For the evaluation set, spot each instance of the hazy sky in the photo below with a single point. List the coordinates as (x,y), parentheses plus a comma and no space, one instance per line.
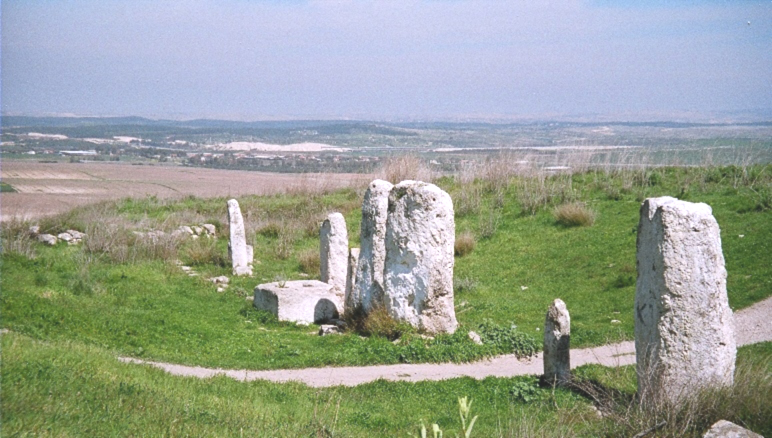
(250,59)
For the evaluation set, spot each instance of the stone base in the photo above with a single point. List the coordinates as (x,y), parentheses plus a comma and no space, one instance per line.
(302,302)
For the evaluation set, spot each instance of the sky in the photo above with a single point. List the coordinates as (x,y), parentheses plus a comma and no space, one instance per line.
(386,60)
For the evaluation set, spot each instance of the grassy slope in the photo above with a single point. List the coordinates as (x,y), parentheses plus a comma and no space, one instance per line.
(150,309)
(70,389)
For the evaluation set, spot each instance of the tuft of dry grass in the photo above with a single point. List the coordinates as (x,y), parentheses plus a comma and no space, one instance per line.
(465,244)
(310,262)
(406,167)
(574,214)
(377,322)
(204,251)
(16,239)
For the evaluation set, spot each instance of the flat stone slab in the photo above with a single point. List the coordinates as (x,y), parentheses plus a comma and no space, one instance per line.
(302,302)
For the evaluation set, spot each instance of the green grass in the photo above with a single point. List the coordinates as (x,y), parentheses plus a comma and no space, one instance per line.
(150,309)
(66,388)
(6,188)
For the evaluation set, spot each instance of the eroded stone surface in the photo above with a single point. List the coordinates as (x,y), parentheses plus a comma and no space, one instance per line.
(48,239)
(237,246)
(303,301)
(557,345)
(684,329)
(727,429)
(418,268)
(369,273)
(333,252)
(351,280)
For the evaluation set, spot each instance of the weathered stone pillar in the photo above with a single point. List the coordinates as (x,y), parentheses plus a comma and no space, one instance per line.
(238,250)
(333,252)
(369,273)
(418,269)
(684,329)
(351,279)
(557,345)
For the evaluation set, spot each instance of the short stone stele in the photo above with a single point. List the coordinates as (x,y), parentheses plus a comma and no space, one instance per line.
(557,346)
(369,274)
(333,252)
(351,279)
(303,302)
(684,329)
(237,245)
(418,269)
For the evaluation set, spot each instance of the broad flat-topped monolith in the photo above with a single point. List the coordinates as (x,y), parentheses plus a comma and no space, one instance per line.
(369,273)
(303,302)
(557,345)
(684,329)
(239,252)
(333,252)
(418,268)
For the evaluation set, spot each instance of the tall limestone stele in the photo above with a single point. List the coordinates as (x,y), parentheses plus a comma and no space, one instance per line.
(368,290)
(684,329)
(418,268)
(333,253)
(240,253)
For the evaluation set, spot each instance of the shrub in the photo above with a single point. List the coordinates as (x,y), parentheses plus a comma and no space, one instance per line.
(508,339)
(15,239)
(205,251)
(377,322)
(310,262)
(574,214)
(465,244)
(404,167)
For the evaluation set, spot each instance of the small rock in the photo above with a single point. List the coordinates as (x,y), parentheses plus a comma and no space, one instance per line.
(194,237)
(220,280)
(64,236)
(727,429)
(303,274)
(616,321)
(48,239)
(34,230)
(186,268)
(76,234)
(197,230)
(523,287)
(186,229)
(210,229)
(741,236)
(220,289)
(329,329)
(538,329)
(475,338)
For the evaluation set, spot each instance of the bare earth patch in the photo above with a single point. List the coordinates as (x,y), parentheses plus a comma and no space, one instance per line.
(51,188)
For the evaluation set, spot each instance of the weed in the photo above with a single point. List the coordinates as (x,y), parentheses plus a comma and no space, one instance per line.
(465,244)
(204,252)
(508,339)
(464,285)
(406,167)
(574,214)
(524,391)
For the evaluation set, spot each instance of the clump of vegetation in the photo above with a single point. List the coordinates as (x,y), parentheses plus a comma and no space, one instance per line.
(404,167)
(465,244)
(377,322)
(204,251)
(310,262)
(16,239)
(508,339)
(6,188)
(464,285)
(574,214)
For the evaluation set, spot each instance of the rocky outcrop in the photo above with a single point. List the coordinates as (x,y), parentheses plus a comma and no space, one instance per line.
(684,329)
(557,345)
(333,252)
(418,268)
(237,245)
(372,255)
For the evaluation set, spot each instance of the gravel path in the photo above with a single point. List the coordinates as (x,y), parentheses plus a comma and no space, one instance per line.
(752,325)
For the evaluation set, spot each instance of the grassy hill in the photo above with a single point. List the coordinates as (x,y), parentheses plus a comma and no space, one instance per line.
(73,308)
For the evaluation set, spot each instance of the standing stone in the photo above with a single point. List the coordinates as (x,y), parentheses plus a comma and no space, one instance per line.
(684,329)
(237,246)
(333,252)
(418,271)
(557,345)
(351,279)
(369,273)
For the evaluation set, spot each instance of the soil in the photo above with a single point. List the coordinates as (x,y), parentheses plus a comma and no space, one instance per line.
(751,326)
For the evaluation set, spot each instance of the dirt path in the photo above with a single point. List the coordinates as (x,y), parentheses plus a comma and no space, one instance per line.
(751,326)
